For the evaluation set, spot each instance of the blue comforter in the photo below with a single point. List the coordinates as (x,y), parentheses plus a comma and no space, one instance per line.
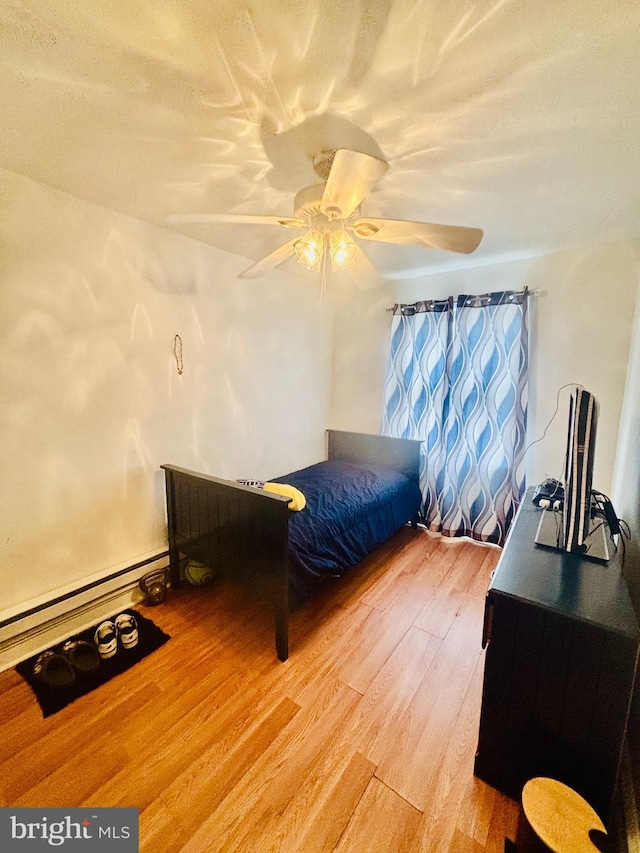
(351,510)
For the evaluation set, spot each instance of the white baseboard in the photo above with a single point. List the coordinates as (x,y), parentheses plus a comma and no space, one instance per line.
(37,628)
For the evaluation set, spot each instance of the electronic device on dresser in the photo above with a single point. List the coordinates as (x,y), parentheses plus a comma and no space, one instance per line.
(574,520)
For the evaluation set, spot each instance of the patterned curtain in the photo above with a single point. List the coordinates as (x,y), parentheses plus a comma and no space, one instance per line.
(457,381)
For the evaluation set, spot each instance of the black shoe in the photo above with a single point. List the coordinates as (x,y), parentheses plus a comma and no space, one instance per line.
(54,670)
(82,656)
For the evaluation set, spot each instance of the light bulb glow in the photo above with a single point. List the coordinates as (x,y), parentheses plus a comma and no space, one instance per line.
(309,249)
(343,249)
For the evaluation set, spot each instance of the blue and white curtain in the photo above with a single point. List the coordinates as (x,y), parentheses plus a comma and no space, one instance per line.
(457,380)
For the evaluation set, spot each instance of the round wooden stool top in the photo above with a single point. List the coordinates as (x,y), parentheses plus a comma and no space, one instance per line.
(560,818)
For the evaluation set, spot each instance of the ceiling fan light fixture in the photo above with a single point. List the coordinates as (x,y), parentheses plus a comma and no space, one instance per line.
(309,249)
(343,250)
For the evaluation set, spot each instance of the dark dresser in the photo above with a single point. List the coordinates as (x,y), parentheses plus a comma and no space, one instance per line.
(562,649)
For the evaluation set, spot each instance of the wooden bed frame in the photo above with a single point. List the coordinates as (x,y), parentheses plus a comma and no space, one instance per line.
(243,531)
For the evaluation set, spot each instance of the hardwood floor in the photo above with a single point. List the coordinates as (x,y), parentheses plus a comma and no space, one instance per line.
(363,740)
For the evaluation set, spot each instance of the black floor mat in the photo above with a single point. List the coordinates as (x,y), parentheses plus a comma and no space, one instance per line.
(51,700)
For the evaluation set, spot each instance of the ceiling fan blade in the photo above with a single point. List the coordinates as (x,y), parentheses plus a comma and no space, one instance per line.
(453,238)
(271,261)
(351,177)
(237,219)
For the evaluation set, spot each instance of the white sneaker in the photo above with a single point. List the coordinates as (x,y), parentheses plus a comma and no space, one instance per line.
(127,629)
(106,639)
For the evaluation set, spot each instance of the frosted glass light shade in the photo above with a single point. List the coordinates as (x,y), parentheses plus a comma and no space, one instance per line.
(343,249)
(309,249)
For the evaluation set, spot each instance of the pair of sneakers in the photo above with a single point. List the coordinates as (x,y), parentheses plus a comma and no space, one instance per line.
(123,629)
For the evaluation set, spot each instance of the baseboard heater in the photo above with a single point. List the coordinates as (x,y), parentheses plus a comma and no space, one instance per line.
(28,631)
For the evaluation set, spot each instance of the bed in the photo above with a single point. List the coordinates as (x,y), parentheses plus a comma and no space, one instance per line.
(356,499)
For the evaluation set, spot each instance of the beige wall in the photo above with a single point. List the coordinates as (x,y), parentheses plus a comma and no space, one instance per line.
(581,330)
(626,486)
(92,401)
(361,338)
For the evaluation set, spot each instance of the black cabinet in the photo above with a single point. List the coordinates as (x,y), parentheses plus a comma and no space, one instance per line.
(562,648)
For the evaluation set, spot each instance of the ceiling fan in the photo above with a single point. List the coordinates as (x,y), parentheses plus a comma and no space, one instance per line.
(330,213)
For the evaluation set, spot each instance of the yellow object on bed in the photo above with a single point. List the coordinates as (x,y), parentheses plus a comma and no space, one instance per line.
(298,500)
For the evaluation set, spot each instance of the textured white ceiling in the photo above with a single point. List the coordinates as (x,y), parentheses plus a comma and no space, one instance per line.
(518,117)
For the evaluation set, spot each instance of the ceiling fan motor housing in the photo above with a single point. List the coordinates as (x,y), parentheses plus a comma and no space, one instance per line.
(307,201)
(307,206)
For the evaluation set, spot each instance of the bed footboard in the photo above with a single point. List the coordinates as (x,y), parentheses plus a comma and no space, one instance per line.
(239,531)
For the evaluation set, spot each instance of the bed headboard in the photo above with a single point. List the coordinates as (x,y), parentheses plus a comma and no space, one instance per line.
(401,454)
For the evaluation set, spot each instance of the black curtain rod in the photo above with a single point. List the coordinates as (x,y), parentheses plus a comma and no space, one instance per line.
(525,292)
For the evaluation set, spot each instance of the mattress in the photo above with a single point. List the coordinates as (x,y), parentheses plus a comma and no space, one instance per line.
(351,510)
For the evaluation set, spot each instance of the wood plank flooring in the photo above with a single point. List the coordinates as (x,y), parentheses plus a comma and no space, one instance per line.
(363,740)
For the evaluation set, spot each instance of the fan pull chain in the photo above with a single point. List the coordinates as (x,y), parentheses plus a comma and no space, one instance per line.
(177,353)
(323,272)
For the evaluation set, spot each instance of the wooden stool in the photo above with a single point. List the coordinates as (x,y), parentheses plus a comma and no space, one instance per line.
(554,818)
